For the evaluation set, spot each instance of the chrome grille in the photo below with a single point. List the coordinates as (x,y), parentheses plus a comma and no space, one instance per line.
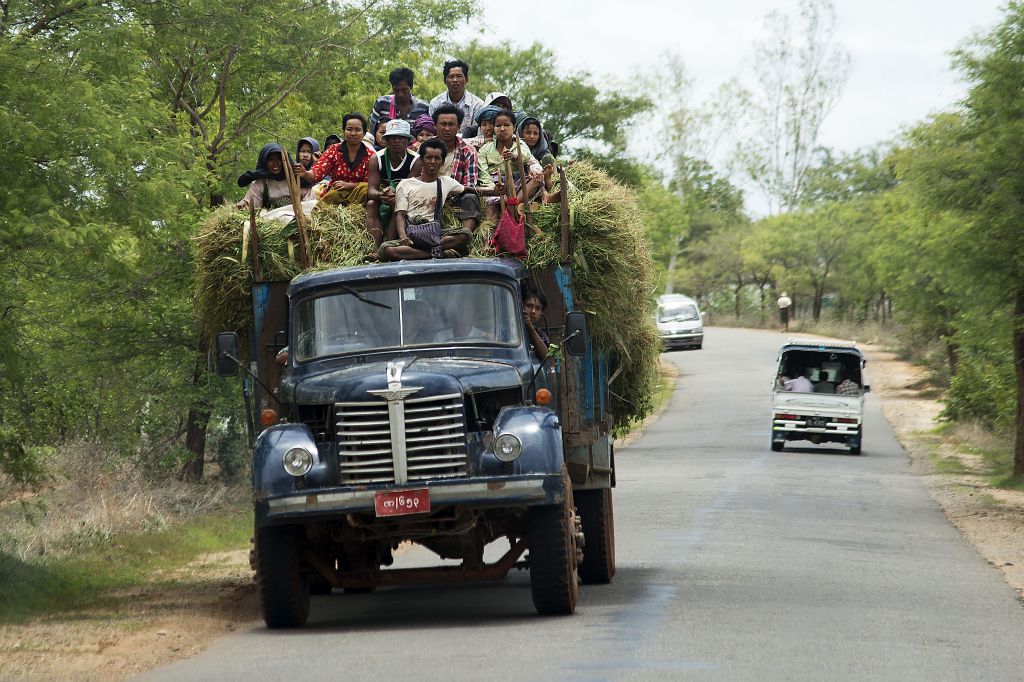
(435,440)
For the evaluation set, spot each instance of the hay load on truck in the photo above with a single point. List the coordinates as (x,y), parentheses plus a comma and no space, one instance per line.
(412,408)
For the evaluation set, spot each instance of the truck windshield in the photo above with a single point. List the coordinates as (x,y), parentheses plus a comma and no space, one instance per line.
(471,313)
(678,312)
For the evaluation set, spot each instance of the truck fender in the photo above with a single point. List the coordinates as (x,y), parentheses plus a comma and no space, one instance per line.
(268,474)
(540,432)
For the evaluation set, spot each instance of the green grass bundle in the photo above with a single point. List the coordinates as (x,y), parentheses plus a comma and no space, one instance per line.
(613,273)
(613,278)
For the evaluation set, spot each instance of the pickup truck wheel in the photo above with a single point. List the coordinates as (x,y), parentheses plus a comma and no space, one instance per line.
(855,448)
(595,508)
(551,537)
(777,445)
(284,590)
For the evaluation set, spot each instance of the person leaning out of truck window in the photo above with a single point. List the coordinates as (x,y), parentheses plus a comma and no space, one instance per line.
(267,185)
(347,163)
(416,203)
(534,304)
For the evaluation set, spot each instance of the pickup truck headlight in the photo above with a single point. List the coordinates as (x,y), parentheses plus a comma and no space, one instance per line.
(507,447)
(298,461)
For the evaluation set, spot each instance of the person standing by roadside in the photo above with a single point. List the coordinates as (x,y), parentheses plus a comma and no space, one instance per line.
(456,78)
(784,303)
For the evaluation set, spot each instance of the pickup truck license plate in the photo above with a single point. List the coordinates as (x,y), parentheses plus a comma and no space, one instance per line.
(818,422)
(401,502)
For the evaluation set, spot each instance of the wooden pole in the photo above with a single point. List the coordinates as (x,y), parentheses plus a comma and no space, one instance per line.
(300,217)
(563,221)
(254,239)
(522,181)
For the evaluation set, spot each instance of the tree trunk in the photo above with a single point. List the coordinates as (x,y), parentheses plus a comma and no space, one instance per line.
(818,294)
(198,418)
(1018,363)
(669,275)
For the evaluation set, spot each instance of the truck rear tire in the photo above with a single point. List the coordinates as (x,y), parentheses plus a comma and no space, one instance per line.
(284,590)
(596,512)
(551,537)
(777,445)
(855,448)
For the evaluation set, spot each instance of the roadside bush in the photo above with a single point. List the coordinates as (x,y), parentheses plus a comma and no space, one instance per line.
(983,388)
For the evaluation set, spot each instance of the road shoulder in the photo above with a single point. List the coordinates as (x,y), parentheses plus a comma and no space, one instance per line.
(992,519)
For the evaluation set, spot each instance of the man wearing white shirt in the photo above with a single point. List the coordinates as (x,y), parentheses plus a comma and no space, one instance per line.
(801,384)
(456,77)
(784,304)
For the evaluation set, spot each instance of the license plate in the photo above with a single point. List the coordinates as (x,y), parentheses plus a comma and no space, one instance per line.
(402,502)
(818,422)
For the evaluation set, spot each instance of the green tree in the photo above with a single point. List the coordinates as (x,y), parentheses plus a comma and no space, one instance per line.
(573,108)
(976,173)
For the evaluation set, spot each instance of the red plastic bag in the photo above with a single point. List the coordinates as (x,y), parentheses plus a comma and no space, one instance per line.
(510,236)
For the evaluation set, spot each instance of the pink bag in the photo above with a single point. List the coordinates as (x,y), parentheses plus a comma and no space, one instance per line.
(510,235)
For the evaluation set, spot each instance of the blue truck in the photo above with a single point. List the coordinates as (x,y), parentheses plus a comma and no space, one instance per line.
(402,402)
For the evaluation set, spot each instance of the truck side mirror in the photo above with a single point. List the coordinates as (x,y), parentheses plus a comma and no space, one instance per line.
(575,339)
(867,388)
(227,352)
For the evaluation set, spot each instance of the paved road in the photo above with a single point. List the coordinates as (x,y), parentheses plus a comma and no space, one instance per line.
(735,563)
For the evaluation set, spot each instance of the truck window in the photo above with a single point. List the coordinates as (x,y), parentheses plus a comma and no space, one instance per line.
(468,313)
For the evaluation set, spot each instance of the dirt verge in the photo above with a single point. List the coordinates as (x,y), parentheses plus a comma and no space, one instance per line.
(991,519)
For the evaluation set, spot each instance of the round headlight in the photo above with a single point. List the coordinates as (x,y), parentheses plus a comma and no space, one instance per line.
(507,447)
(298,461)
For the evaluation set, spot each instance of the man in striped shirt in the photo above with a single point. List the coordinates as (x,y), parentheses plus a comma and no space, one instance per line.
(462,165)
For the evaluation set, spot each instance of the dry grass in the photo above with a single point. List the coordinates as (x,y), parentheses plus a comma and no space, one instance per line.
(93,496)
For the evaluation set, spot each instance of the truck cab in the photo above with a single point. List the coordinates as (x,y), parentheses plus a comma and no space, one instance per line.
(412,408)
(818,394)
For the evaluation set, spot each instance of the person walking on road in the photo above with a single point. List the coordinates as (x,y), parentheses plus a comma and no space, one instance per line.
(784,303)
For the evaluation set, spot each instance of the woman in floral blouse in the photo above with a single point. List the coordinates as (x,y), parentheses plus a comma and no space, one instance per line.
(347,164)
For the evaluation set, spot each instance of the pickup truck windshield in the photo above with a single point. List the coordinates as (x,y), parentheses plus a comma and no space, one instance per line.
(678,313)
(434,315)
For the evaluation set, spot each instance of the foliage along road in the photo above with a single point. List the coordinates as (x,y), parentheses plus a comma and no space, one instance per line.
(734,562)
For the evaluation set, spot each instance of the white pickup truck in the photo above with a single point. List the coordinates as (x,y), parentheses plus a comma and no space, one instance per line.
(818,394)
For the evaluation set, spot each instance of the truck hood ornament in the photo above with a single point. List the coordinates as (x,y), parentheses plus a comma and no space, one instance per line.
(395,391)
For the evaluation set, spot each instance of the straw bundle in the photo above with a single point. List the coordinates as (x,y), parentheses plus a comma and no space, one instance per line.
(612,271)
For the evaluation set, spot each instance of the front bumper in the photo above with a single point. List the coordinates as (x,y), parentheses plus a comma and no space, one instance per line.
(477,493)
(682,339)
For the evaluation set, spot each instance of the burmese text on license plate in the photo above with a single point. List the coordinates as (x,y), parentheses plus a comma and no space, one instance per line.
(399,502)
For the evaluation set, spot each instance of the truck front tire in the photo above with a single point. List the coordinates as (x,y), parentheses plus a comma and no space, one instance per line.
(596,512)
(284,590)
(551,537)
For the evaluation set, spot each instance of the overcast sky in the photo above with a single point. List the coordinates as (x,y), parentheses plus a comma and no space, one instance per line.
(899,48)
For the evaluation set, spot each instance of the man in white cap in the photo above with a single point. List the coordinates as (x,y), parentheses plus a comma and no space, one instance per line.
(388,166)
